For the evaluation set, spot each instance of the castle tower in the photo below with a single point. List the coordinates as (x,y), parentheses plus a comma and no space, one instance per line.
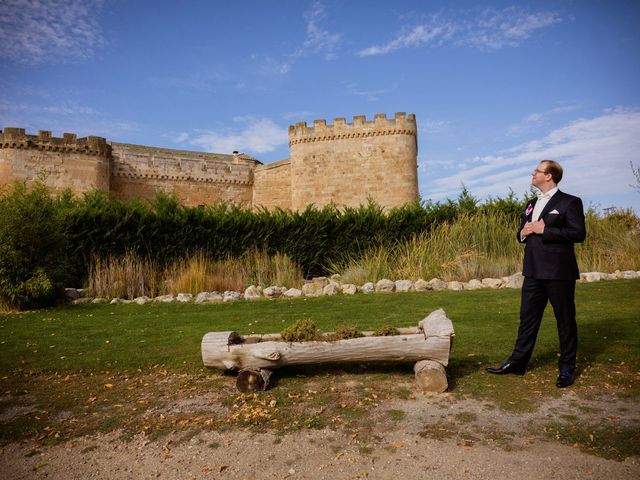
(81,164)
(348,163)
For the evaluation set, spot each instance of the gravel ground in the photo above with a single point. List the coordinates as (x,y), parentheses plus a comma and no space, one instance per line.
(486,443)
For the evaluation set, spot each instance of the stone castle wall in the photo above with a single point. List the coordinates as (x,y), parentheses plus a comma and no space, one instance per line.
(197,178)
(81,164)
(344,163)
(347,163)
(272,185)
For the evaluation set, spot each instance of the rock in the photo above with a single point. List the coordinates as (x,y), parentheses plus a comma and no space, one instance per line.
(629,274)
(437,284)
(492,282)
(231,296)
(473,285)
(332,289)
(336,277)
(616,275)
(273,292)
(71,294)
(252,293)
(81,300)
(315,288)
(609,276)
(184,297)
(208,297)
(349,289)
(592,276)
(164,298)
(142,300)
(385,286)
(116,301)
(514,281)
(368,287)
(455,285)
(422,286)
(99,300)
(404,286)
(292,293)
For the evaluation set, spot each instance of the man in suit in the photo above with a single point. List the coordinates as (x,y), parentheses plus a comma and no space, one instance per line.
(550,226)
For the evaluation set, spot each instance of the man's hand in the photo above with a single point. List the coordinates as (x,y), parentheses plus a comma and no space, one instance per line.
(533,227)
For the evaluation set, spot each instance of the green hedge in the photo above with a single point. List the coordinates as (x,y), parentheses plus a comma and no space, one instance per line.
(165,230)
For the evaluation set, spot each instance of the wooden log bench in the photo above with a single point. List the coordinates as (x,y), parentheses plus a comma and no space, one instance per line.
(255,356)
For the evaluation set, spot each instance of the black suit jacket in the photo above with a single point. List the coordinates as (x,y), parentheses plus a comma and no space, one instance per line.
(550,256)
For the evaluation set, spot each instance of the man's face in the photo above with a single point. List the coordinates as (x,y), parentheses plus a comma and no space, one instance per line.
(538,176)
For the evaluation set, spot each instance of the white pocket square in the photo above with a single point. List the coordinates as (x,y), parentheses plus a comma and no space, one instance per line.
(554,212)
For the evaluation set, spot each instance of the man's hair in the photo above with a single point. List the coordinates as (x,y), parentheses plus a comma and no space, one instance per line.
(552,167)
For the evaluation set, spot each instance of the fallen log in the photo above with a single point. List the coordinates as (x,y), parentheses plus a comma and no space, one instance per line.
(230,351)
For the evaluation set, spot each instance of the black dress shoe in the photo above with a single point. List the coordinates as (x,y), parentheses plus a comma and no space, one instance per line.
(508,367)
(566,379)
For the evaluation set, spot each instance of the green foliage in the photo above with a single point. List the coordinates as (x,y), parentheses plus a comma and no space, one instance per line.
(166,231)
(32,260)
(386,331)
(304,330)
(344,332)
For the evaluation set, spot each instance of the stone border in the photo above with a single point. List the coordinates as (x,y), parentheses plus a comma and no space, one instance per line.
(323,286)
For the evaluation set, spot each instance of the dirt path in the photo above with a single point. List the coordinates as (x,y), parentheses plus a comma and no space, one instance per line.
(424,437)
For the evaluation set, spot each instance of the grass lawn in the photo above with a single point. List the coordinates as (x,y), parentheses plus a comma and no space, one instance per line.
(60,359)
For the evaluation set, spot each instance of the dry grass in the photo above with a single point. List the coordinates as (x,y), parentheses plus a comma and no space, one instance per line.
(131,276)
(480,246)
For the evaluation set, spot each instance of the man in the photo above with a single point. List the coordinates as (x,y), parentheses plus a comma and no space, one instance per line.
(550,225)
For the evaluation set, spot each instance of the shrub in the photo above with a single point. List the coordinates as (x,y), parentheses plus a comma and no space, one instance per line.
(344,332)
(32,257)
(302,331)
(386,331)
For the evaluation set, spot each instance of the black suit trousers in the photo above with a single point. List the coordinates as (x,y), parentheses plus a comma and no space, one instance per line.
(535,295)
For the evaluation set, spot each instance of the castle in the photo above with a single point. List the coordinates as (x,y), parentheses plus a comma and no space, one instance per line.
(344,163)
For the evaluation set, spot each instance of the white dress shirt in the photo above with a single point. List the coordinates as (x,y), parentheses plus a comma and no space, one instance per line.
(541,203)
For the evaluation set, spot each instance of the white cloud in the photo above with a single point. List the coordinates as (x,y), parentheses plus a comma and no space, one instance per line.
(256,135)
(41,31)
(537,119)
(507,28)
(435,32)
(491,29)
(371,95)
(317,41)
(594,152)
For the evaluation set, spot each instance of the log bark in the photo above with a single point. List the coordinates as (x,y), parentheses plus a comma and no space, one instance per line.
(433,342)
(430,376)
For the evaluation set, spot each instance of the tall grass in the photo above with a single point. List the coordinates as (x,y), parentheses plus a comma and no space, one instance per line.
(130,276)
(612,243)
(484,245)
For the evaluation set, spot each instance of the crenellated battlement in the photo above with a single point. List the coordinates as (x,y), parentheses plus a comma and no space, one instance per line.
(44,141)
(401,124)
(344,163)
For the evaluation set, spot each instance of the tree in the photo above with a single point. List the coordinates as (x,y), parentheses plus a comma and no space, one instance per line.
(32,244)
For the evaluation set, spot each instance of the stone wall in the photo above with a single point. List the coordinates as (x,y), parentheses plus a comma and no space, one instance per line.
(347,163)
(80,164)
(197,178)
(344,163)
(272,185)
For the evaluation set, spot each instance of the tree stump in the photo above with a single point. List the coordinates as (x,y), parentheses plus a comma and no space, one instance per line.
(430,376)
(250,379)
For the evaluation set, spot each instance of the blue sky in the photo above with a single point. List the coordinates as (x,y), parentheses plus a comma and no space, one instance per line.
(495,86)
